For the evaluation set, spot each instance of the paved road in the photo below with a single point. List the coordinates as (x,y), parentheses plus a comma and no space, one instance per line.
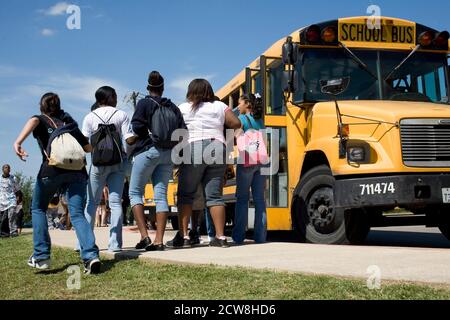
(405,254)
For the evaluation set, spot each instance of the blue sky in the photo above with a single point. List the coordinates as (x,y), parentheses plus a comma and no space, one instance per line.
(120,42)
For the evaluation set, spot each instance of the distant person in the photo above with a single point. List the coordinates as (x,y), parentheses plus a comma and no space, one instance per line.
(152,157)
(19,211)
(206,119)
(125,201)
(64,222)
(250,177)
(52,212)
(107,127)
(8,202)
(51,179)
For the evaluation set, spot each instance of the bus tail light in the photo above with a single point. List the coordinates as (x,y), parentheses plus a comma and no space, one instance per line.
(329,35)
(426,39)
(313,34)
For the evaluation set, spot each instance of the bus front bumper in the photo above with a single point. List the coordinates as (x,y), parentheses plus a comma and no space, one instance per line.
(412,190)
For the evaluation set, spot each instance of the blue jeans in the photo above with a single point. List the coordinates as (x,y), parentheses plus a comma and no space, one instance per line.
(155,165)
(44,189)
(247,178)
(114,178)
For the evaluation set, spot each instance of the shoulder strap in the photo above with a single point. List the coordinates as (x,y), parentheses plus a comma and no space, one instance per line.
(105,122)
(249,122)
(159,105)
(51,121)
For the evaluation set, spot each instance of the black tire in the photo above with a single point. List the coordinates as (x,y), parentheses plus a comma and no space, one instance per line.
(314,216)
(174,222)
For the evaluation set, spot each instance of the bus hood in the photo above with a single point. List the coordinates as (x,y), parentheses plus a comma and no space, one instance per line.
(393,111)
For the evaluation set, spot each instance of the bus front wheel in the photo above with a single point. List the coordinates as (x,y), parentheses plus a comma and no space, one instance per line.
(315,217)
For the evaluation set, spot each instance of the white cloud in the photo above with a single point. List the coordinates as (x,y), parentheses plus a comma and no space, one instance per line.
(57,9)
(47,32)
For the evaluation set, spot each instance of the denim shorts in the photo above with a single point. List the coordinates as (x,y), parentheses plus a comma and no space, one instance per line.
(210,173)
(153,166)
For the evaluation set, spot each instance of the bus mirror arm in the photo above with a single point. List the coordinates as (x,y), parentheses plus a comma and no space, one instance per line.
(333,88)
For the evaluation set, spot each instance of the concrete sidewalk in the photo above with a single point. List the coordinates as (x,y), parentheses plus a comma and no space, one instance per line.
(429,265)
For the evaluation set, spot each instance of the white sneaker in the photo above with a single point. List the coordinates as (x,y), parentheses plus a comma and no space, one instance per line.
(92,266)
(39,264)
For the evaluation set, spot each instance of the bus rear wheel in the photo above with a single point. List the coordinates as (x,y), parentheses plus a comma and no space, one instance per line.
(315,217)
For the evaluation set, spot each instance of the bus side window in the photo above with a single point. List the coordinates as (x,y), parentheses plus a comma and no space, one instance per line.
(277,191)
(275,105)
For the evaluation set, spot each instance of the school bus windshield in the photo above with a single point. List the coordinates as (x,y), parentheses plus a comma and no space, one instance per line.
(423,77)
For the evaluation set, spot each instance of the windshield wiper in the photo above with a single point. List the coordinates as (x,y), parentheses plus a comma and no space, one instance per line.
(402,63)
(358,61)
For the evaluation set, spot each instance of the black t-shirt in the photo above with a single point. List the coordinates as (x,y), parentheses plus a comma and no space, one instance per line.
(42,134)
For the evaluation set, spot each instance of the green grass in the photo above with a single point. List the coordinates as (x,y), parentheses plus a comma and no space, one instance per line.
(134,279)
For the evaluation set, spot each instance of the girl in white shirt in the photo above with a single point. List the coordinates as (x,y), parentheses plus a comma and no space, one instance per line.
(206,119)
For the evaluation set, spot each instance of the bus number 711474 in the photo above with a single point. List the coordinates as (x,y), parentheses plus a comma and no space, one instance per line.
(377,188)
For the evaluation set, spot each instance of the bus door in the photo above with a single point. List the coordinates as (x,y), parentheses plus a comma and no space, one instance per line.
(269,85)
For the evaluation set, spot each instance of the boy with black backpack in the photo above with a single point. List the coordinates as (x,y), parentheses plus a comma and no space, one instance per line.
(63,149)
(154,121)
(107,127)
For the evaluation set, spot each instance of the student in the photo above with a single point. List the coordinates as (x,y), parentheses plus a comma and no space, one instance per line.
(51,179)
(250,177)
(110,172)
(206,119)
(8,201)
(52,212)
(152,157)
(19,211)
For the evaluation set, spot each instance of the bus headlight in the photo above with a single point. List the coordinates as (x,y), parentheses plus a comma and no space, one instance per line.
(356,154)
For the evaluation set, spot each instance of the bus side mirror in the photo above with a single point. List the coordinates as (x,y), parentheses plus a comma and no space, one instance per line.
(334,87)
(290,81)
(290,52)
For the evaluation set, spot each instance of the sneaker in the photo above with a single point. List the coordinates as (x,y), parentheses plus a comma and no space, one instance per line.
(195,237)
(155,247)
(179,242)
(92,266)
(143,243)
(219,243)
(39,264)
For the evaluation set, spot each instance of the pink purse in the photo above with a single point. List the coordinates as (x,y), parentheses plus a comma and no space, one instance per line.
(252,147)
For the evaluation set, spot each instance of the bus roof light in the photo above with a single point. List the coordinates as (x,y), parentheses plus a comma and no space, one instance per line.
(441,40)
(329,34)
(426,38)
(313,34)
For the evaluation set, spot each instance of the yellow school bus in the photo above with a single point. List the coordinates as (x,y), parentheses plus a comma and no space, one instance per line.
(150,205)
(358,113)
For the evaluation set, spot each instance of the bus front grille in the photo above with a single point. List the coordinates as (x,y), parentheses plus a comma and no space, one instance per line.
(425,142)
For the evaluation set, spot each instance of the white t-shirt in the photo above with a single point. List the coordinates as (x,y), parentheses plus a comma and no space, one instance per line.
(120,120)
(207,122)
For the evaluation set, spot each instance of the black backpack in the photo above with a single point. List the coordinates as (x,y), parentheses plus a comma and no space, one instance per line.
(164,122)
(107,144)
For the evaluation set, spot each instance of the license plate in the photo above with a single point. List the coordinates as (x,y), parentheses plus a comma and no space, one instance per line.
(446,195)
(174,209)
